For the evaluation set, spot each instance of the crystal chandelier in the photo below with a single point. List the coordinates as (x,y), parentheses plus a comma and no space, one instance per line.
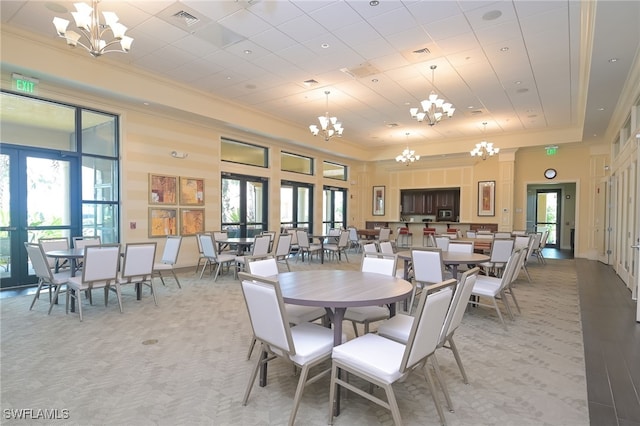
(408,155)
(329,126)
(89,25)
(433,108)
(484,149)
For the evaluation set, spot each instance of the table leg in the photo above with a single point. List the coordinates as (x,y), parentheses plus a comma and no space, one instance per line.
(263,369)
(322,250)
(338,317)
(73,274)
(138,291)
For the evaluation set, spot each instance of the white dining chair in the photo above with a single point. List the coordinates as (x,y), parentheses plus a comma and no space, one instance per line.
(296,314)
(305,345)
(380,264)
(501,250)
(383,362)
(52,244)
(212,257)
(137,269)
(169,259)
(283,249)
(100,271)
(260,247)
(47,279)
(442,242)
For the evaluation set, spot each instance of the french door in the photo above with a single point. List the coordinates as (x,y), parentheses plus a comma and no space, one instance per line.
(244,205)
(334,211)
(548,214)
(35,202)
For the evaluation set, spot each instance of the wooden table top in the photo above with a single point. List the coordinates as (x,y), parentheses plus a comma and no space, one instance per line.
(341,289)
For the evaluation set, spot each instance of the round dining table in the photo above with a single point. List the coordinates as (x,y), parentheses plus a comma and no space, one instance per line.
(337,290)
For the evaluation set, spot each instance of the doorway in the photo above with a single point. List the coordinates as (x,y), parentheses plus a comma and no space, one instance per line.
(244,205)
(548,215)
(334,201)
(36,193)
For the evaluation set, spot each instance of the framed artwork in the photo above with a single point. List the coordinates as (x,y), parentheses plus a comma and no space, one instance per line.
(191,191)
(163,222)
(378,200)
(487,198)
(191,221)
(163,189)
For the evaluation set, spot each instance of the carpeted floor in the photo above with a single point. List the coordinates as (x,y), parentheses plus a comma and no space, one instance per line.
(184,362)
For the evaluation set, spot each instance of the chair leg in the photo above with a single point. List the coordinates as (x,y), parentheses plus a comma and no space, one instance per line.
(515,301)
(355,328)
(443,384)
(204,267)
(55,297)
(302,381)
(332,392)
(217,271)
(495,303)
(432,389)
(393,404)
(251,346)
(456,355)
(37,295)
(152,292)
(176,278)
(503,297)
(254,374)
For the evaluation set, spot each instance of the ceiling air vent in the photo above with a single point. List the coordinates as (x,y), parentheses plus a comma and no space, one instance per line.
(188,18)
(423,51)
(364,70)
(392,125)
(310,82)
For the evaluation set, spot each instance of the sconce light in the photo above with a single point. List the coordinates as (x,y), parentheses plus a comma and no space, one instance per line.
(176,154)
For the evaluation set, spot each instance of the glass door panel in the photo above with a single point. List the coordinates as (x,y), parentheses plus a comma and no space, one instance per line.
(244,205)
(548,215)
(334,208)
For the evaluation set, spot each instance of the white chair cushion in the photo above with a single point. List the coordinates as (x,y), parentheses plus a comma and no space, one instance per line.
(397,328)
(162,266)
(486,286)
(373,355)
(312,341)
(297,314)
(226,258)
(366,313)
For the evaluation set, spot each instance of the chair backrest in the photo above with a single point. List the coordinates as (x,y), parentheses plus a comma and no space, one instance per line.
(544,238)
(379,263)
(442,243)
(461,246)
(384,234)
(522,257)
(431,239)
(267,314)
(138,261)
(261,245)
(263,267)
(386,247)
(471,234)
(208,246)
(171,249)
(427,324)
(51,244)
(39,262)
(303,238)
(101,263)
(501,250)
(81,242)
(480,235)
(220,236)
(294,237)
(284,245)
(521,241)
(353,234)
(370,248)
(534,243)
(509,269)
(427,265)
(427,231)
(343,241)
(459,303)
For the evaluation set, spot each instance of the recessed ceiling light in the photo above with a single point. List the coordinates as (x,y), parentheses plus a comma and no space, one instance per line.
(523,90)
(470,107)
(612,60)
(601,109)
(374,80)
(491,15)
(504,49)
(517,82)
(248,52)
(325,45)
(374,3)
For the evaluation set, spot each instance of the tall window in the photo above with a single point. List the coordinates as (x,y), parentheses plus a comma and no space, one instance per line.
(296,205)
(59,167)
(244,205)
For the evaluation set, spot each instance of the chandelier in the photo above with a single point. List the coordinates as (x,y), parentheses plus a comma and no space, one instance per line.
(484,149)
(433,108)
(89,25)
(408,155)
(329,126)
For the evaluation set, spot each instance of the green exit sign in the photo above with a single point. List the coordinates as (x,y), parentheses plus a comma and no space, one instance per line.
(552,150)
(25,84)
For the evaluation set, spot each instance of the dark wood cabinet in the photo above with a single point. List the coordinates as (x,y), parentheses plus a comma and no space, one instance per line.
(428,201)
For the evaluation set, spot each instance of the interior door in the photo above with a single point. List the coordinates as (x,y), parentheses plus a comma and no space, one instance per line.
(548,214)
(35,202)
